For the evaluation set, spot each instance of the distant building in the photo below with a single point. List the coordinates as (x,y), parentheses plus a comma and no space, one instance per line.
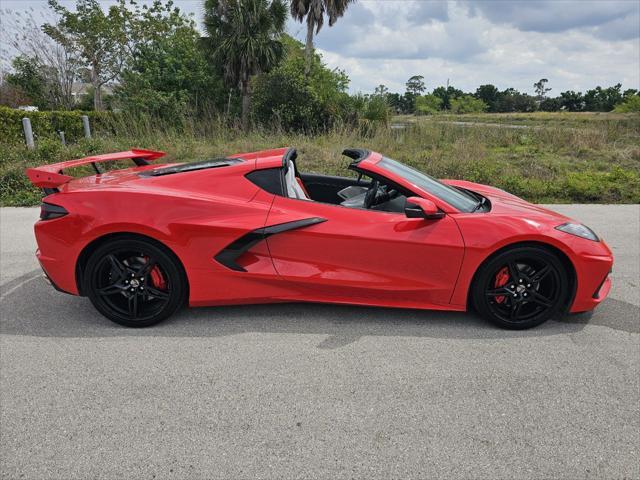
(80,89)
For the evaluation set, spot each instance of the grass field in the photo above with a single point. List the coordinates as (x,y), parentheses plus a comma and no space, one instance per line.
(551,157)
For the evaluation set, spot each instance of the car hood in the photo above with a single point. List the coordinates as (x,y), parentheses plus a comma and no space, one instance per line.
(504,203)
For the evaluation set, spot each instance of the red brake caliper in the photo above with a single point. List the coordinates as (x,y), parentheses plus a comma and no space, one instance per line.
(502,277)
(157,279)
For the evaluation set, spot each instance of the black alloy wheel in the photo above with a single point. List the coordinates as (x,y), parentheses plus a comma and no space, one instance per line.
(134,282)
(521,288)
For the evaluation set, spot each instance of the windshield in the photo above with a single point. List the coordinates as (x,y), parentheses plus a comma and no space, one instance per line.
(459,199)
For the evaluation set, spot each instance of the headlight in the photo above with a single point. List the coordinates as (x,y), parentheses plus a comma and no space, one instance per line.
(578,230)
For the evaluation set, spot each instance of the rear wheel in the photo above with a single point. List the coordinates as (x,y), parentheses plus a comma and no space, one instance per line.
(521,288)
(134,282)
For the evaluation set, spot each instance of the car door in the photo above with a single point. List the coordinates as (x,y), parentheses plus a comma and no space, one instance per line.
(352,255)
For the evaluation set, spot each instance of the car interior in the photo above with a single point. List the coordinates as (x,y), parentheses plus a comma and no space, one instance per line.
(362,191)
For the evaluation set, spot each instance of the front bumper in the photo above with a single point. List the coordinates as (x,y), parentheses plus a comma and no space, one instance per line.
(593,281)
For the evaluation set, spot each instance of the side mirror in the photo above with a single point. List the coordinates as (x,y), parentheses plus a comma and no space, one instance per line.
(417,207)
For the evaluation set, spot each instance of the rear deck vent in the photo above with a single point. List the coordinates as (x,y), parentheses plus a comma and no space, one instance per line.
(191,166)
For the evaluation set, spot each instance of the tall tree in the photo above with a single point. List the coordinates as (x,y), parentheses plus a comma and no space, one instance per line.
(602,99)
(167,72)
(98,38)
(489,94)
(572,101)
(381,90)
(415,85)
(541,88)
(314,11)
(245,39)
(56,65)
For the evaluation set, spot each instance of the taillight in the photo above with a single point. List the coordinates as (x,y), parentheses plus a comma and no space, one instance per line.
(49,211)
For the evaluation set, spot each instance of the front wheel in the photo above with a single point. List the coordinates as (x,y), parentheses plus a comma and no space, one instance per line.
(134,282)
(521,288)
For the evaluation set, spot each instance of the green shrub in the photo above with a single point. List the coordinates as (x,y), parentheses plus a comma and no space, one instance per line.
(467,104)
(286,99)
(629,105)
(376,109)
(287,102)
(48,124)
(428,104)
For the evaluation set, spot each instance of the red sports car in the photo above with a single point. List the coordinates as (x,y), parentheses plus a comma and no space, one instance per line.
(251,228)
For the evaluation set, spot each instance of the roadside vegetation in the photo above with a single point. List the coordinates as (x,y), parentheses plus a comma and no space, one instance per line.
(586,158)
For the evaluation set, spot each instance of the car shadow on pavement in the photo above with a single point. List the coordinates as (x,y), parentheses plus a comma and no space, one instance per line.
(30,307)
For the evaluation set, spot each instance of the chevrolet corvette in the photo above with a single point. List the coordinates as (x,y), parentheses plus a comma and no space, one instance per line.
(142,242)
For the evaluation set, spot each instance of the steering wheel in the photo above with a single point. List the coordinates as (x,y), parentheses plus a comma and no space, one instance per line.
(371,194)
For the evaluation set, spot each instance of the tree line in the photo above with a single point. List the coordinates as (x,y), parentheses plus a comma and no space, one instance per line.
(150,59)
(488,98)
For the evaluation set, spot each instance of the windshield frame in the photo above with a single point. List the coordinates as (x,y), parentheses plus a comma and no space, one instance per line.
(459,199)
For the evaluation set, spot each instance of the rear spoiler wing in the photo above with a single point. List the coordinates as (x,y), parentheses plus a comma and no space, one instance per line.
(52,176)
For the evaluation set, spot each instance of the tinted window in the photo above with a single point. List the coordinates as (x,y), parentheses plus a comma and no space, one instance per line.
(269,179)
(454,197)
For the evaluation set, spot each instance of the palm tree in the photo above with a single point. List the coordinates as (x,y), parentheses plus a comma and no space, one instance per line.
(315,11)
(245,40)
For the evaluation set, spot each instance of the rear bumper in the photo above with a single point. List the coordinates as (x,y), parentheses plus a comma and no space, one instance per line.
(54,273)
(46,276)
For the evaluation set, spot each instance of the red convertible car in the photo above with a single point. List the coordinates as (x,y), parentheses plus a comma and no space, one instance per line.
(249,228)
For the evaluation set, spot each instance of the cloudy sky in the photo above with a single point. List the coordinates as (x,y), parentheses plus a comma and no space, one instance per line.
(575,44)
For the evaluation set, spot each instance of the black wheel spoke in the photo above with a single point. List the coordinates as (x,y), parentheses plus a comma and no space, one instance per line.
(117,265)
(514,273)
(541,274)
(514,311)
(133,305)
(541,300)
(499,292)
(154,292)
(110,289)
(146,268)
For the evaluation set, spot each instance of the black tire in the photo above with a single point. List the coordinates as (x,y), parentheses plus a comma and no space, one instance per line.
(521,288)
(134,282)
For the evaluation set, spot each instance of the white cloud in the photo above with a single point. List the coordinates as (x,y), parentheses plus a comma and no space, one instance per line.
(509,43)
(552,15)
(576,45)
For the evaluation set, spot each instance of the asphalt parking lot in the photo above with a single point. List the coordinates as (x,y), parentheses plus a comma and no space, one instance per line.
(317,391)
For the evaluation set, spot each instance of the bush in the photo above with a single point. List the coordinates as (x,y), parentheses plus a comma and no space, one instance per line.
(511,100)
(48,124)
(551,104)
(286,102)
(428,104)
(629,105)
(467,104)
(285,98)
(376,109)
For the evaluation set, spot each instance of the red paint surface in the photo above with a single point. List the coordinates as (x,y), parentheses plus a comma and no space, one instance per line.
(357,256)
